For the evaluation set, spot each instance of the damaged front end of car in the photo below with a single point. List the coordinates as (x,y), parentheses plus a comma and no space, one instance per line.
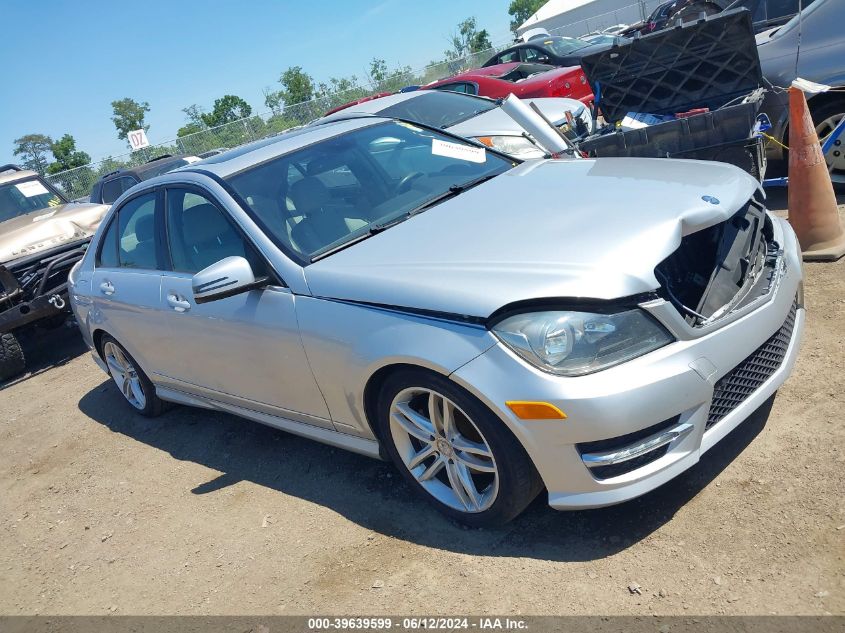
(34,289)
(722,269)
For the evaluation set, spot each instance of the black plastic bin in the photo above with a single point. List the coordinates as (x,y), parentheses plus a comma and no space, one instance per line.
(724,135)
(711,63)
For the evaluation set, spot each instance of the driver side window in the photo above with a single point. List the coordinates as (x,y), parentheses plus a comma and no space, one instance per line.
(200,234)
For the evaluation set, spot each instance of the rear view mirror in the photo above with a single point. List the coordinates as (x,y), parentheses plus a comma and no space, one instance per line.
(226,278)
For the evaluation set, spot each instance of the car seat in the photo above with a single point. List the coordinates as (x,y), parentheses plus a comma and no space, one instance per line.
(144,253)
(319,225)
(207,237)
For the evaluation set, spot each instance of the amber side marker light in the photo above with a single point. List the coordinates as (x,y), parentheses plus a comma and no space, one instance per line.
(535,410)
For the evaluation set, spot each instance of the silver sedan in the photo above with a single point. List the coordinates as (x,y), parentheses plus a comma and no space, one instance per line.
(493,327)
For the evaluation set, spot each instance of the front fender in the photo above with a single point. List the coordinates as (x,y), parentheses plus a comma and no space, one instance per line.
(347,343)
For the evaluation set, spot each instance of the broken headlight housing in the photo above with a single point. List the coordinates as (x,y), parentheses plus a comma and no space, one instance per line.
(569,343)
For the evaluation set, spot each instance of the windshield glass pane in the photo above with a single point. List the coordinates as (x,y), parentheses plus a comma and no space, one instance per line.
(439,109)
(564,45)
(347,187)
(25,196)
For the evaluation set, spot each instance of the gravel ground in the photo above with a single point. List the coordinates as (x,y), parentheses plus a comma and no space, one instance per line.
(102,511)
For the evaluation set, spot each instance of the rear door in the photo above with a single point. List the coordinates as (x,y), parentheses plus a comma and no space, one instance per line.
(243,350)
(126,284)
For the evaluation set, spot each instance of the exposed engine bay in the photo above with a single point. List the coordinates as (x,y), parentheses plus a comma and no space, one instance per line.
(721,268)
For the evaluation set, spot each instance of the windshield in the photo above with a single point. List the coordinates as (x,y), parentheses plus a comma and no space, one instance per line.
(25,196)
(564,45)
(344,189)
(439,109)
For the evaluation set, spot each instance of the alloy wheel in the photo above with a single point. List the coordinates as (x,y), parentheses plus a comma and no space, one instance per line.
(444,450)
(125,375)
(836,156)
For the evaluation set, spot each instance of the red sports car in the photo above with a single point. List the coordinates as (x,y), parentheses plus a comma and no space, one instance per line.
(523,80)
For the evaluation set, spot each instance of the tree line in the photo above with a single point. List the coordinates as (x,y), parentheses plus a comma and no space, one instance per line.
(297,100)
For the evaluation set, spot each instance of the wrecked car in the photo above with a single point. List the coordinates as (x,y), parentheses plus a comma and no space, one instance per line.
(494,327)
(523,80)
(42,236)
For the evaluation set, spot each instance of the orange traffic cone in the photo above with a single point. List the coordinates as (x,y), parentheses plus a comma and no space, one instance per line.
(812,204)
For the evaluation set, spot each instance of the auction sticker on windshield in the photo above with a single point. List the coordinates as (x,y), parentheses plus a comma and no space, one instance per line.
(456,150)
(31,188)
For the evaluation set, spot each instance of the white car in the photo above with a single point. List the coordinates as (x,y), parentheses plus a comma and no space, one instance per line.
(616,29)
(473,117)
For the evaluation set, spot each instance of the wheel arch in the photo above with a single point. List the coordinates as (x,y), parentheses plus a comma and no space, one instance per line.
(372,389)
(97,336)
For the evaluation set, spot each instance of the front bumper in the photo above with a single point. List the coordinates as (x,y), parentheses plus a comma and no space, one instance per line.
(673,385)
(44,293)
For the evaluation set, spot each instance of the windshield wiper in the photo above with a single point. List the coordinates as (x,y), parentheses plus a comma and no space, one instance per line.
(374,229)
(451,192)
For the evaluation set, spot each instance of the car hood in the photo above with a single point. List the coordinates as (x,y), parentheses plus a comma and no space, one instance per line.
(46,229)
(572,228)
(496,122)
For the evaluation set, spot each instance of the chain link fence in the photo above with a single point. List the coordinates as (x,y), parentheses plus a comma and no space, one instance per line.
(77,183)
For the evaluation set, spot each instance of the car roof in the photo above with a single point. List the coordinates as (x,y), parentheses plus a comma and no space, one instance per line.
(486,71)
(13,173)
(540,42)
(371,106)
(266,149)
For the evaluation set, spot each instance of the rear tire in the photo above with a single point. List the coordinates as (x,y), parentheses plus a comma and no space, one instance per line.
(130,379)
(470,466)
(12,360)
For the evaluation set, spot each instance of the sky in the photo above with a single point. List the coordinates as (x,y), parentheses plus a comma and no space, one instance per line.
(67,61)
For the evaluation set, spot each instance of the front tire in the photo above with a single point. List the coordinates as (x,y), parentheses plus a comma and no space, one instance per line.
(130,379)
(453,450)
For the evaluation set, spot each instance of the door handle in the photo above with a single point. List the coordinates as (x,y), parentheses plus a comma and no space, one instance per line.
(106,288)
(177,302)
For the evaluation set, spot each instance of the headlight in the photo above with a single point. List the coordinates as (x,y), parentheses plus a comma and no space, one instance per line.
(578,343)
(517,146)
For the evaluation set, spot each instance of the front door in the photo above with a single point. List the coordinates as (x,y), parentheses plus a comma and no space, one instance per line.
(244,350)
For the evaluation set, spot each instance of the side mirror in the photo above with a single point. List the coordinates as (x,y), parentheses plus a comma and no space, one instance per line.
(226,278)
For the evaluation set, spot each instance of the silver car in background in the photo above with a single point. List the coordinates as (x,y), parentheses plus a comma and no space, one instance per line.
(493,327)
(474,117)
(811,46)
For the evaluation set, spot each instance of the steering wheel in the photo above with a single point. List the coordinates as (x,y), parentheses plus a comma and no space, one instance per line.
(405,184)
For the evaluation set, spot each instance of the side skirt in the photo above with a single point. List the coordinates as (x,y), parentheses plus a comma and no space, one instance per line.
(370,448)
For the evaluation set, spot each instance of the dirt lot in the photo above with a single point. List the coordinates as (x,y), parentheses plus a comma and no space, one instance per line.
(102,511)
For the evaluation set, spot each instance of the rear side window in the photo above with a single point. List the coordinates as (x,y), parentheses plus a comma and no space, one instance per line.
(508,57)
(107,257)
(114,188)
(136,223)
(465,88)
